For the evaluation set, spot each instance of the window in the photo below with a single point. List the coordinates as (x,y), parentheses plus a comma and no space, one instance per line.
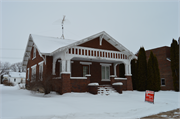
(34,52)
(85,70)
(28,74)
(41,72)
(163,82)
(14,80)
(33,73)
(105,72)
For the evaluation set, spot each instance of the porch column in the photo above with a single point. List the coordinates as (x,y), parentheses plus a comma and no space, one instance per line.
(54,67)
(115,64)
(63,65)
(68,65)
(126,69)
(128,76)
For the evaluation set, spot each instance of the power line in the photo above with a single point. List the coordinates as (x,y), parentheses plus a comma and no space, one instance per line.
(10,58)
(10,49)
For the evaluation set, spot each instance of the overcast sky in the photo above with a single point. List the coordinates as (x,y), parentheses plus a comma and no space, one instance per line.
(134,23)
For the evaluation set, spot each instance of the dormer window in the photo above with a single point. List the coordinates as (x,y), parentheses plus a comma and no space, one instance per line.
(34,52)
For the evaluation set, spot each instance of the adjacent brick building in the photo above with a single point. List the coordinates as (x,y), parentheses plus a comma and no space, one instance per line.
(163,57)
(75,64)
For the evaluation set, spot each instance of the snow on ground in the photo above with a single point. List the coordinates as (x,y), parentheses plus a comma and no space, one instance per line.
(22,104)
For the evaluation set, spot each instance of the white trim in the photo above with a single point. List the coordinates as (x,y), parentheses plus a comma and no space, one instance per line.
(40,62)
(103,64)
(78,77)
(34,66)
(93,84)
(128,74)
(118,78)
(117,83)
(168,59)
(86,63)
(65,72)
(34,51)
(88,75)
(57,78)
(112,75)
(105,80)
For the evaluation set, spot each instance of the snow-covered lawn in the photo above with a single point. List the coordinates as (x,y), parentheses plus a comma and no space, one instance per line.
(22,104)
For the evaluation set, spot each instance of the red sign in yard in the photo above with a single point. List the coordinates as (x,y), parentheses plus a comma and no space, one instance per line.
(149,96)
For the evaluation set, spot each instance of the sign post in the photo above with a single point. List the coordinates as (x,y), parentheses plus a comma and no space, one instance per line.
(149,96)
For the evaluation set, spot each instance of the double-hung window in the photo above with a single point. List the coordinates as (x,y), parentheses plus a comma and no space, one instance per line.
(33,73)
(85,70)
(41,72)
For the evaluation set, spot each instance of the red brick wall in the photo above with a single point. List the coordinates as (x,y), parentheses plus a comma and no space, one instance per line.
(32,62)
(47,68)
(164,65)
(79,85)
(95,44)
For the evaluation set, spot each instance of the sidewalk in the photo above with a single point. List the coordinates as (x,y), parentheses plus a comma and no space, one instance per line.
(173,114)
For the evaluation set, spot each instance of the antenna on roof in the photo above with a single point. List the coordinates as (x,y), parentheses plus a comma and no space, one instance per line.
(62,23)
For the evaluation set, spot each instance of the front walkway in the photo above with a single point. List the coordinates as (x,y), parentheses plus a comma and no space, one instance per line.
(173,114)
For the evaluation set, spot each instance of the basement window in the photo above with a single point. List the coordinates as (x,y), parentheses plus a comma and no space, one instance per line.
(163,82)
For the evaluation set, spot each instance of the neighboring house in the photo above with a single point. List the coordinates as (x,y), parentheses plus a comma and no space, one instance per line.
(164,61)
(75,64)
(15,77)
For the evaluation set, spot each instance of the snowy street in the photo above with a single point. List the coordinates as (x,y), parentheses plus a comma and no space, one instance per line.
(22,104)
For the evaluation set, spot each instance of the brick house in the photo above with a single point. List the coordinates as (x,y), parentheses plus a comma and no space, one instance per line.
(163,57)
(75,64)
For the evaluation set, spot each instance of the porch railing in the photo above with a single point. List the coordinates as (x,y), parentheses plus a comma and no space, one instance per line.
(96,53)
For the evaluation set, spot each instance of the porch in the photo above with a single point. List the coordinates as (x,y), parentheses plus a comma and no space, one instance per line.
(79,66)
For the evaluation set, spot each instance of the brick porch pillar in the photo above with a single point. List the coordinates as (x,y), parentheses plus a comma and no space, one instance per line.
(65,82)
(112,79)
(129,82)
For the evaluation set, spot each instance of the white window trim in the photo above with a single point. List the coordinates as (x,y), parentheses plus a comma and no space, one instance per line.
(41,64)
(164,81)
(105,72)
(86,63)
(28,74)
(33,52)
(34,66)
(104,64)
(78,77)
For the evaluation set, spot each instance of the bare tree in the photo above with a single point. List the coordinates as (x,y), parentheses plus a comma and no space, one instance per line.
(17,67)
(40,85)
(4,68)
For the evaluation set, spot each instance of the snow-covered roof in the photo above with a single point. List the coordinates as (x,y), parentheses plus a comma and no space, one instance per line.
(17,74)
(49,44)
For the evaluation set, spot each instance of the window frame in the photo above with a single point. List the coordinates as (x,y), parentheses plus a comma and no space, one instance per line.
(106,79)
(87,69)
(28,74)
(34,52)
(33,71)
